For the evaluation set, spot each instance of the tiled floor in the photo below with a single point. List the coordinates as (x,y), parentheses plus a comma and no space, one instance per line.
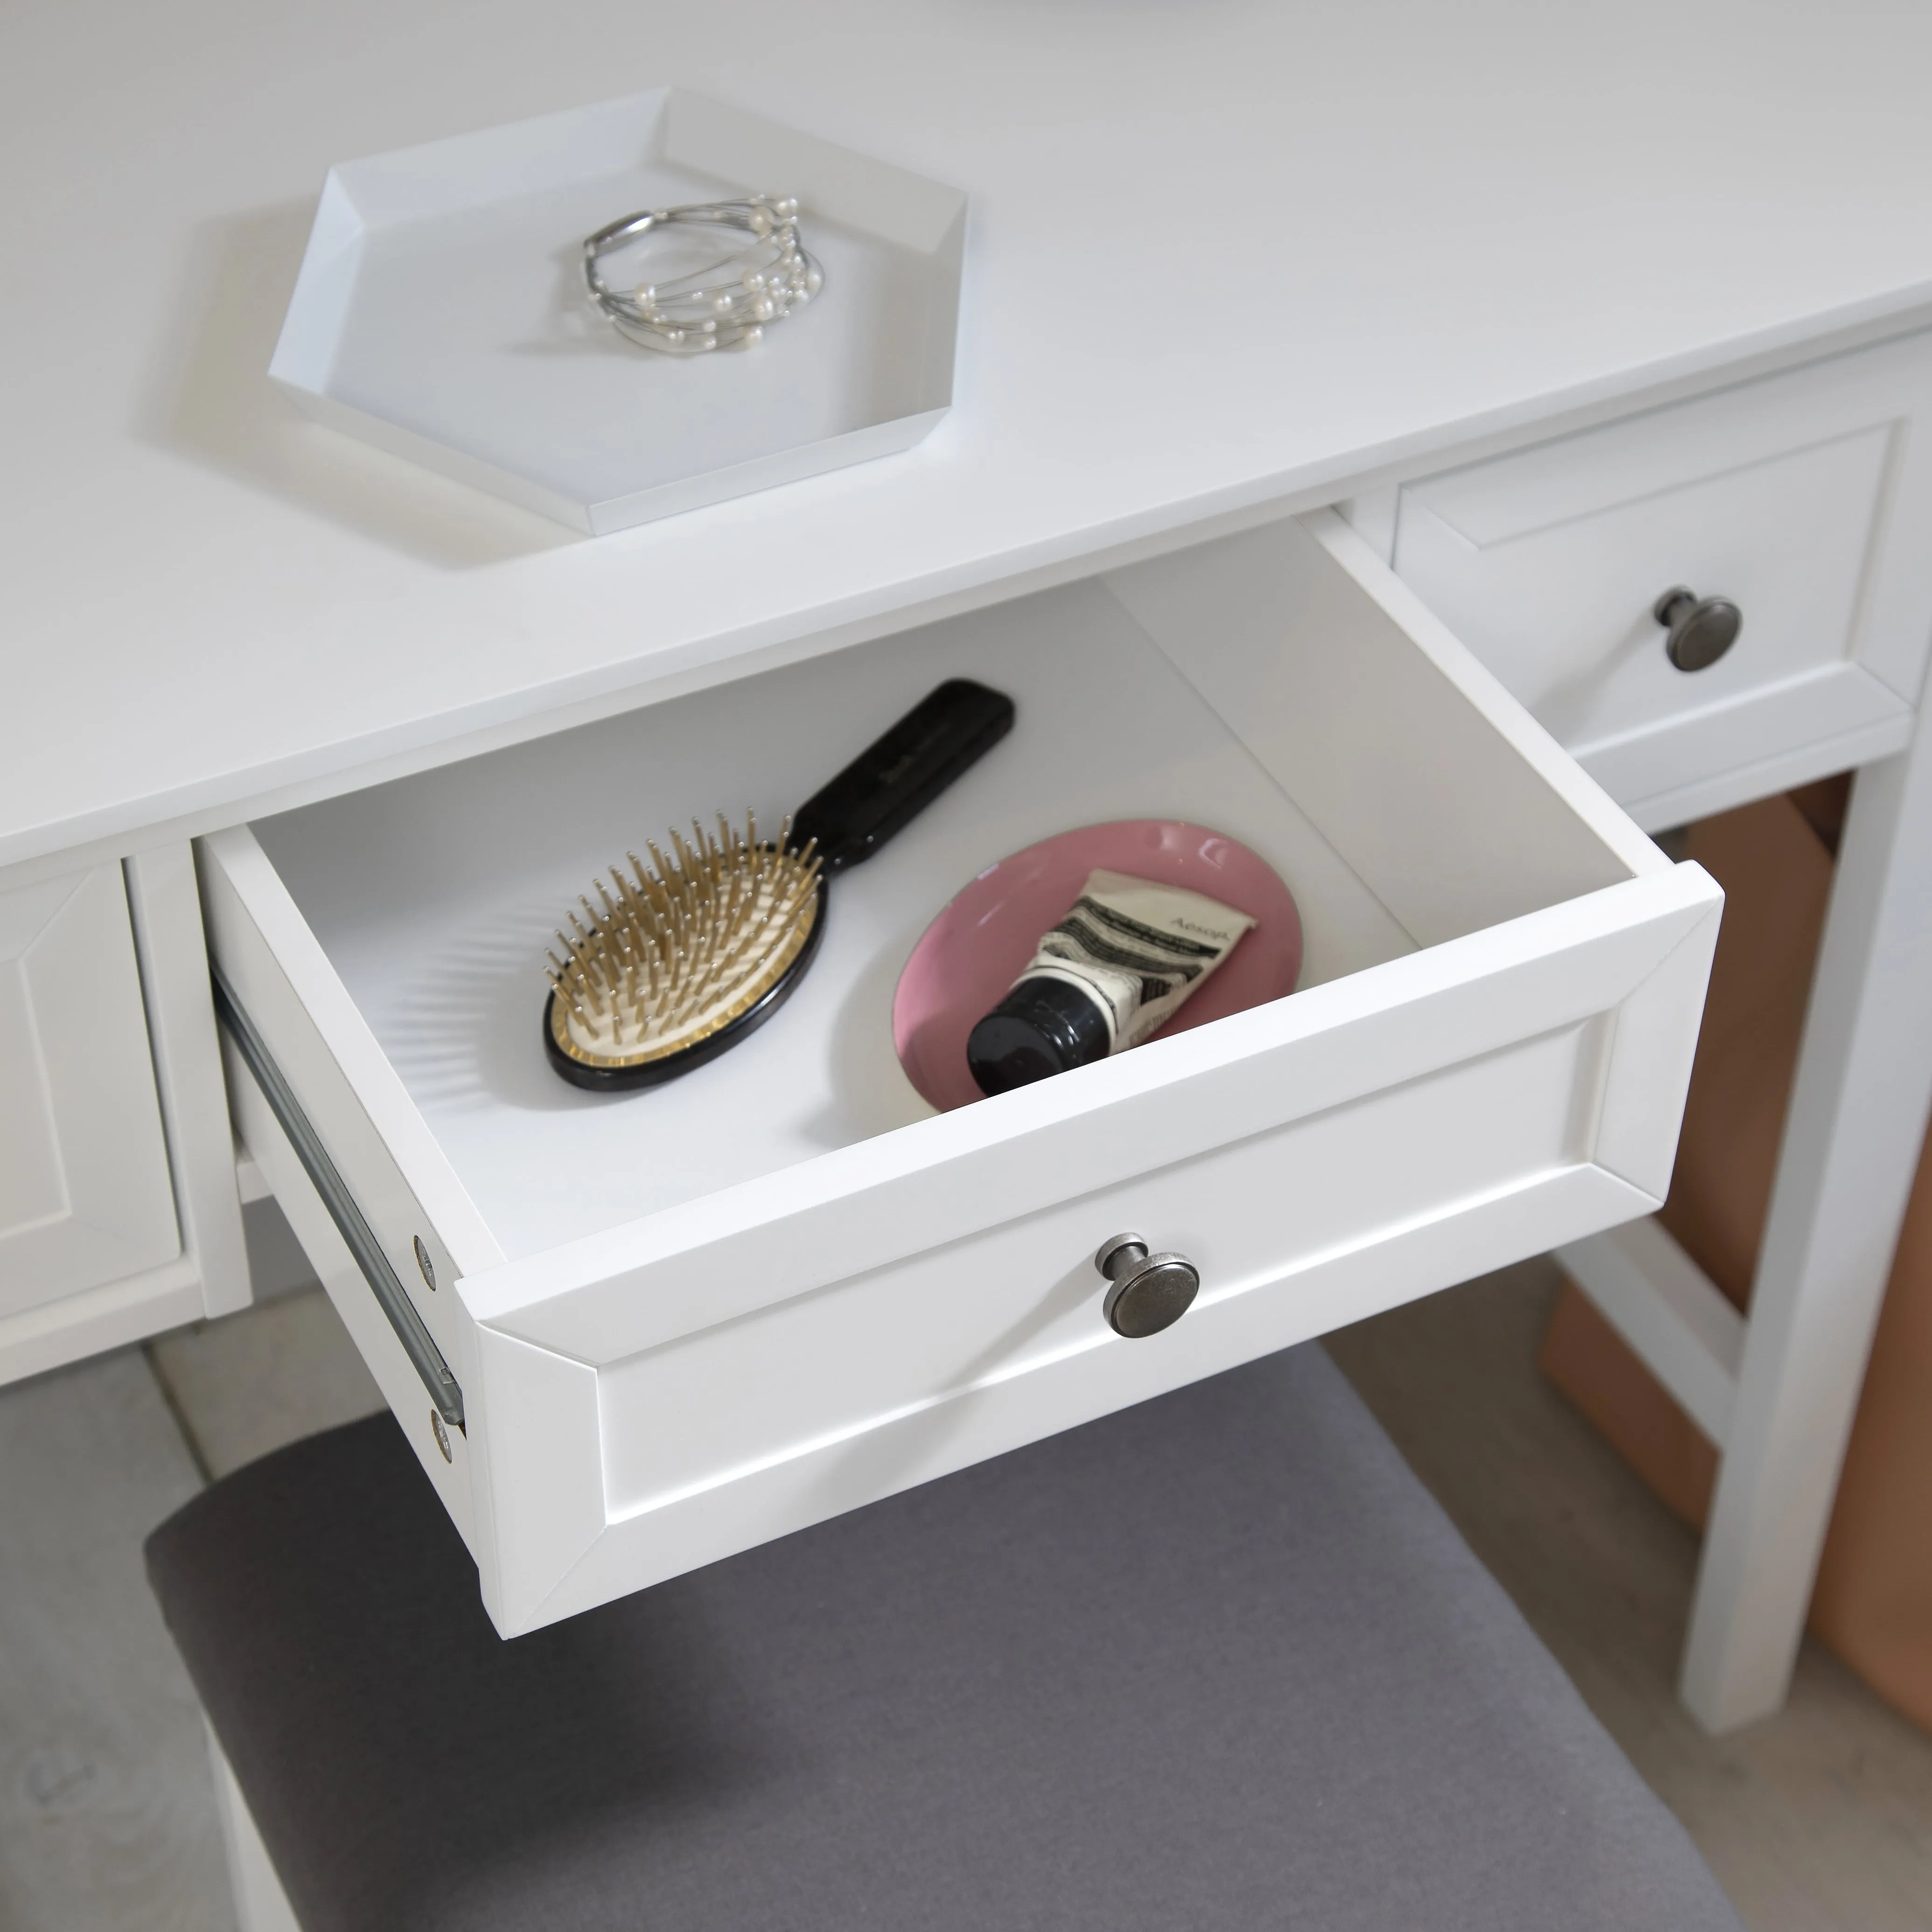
(1819,1822)
(244,1386)
(107,1814)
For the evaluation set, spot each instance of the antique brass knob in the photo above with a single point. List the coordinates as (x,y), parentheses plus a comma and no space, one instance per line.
(1149,1291)
(1702,629)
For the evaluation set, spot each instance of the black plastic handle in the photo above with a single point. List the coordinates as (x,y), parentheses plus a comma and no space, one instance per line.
(892,782)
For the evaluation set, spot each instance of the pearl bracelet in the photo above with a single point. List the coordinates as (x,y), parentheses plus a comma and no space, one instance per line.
(722,306)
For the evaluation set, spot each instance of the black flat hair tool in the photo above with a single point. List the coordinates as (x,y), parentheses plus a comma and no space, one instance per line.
(681,959)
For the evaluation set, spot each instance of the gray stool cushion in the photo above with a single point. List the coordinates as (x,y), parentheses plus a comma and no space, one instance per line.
(1213,1664)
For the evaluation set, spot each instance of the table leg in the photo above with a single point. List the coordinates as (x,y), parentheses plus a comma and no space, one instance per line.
(1851,1148)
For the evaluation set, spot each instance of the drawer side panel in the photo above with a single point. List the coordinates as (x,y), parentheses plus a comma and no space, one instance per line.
(335,1268)
(399,1178)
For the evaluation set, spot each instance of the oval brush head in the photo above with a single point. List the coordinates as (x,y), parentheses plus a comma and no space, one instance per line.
(677,961)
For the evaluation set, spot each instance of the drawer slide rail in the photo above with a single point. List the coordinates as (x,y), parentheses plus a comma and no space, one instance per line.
(384,1282)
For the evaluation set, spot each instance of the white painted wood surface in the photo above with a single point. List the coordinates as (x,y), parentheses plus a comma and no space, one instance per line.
(1816,758)
(85,1197)
(97,1319)
(1554,222)
(1803,498)
(282,618)
(1669,1311)
(449,1474)
(1851,1143)
(428,905)
(166,906)
(815,1302)
(166,1074)
(1806,498)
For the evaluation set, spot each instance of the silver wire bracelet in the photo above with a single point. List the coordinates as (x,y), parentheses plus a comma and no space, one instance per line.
(724,305)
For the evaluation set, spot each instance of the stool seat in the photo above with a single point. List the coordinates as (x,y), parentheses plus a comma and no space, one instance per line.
(1213,1664)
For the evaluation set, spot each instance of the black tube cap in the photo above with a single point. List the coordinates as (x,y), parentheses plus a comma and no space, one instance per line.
(1043,1026)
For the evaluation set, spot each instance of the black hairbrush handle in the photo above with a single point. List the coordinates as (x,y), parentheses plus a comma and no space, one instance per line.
(891,782)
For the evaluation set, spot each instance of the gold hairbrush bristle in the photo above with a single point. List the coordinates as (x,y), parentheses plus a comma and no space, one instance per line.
(681,951)
(686,959)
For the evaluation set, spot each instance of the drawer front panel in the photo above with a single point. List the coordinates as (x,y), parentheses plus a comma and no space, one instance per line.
(1781,495)
(653,1417)
(834,1365)
(85,1196)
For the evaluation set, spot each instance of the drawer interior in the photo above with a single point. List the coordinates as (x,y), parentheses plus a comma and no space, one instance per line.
(1369,783)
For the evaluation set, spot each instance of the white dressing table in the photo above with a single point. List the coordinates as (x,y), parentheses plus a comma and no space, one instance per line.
(1559,325)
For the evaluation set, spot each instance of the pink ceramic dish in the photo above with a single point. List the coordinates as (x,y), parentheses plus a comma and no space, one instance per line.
(980,943)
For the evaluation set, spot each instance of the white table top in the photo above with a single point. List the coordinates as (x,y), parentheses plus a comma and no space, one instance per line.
(1388,228)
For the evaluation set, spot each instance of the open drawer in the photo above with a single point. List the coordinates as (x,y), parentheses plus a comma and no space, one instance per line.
(671,1324)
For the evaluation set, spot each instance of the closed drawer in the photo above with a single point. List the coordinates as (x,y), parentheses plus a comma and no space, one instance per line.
(696,1317)
(1800,498)
(86,1195)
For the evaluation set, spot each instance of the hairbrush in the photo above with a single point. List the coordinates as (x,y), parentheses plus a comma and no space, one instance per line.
(679,959)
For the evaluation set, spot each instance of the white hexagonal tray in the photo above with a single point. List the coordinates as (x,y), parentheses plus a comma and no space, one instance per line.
(441,313)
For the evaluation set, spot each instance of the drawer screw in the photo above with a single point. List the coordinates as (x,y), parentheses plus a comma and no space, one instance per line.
(442,1435)
(428,1266)
(1702,629)
(1149,1291)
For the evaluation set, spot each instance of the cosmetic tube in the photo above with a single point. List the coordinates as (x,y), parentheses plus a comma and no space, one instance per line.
(1113,971)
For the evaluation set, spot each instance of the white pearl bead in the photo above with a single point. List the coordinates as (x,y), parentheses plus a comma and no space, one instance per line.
(814,281)
(753,334)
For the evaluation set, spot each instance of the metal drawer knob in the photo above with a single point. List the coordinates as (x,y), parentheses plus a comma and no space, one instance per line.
(1702,629)
(1151,1292)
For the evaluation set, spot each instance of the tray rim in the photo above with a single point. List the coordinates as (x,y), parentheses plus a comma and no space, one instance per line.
(692,130)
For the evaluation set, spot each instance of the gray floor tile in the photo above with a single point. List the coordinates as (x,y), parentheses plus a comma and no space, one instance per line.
(274,1373)
(276,1263)
(107,1820)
